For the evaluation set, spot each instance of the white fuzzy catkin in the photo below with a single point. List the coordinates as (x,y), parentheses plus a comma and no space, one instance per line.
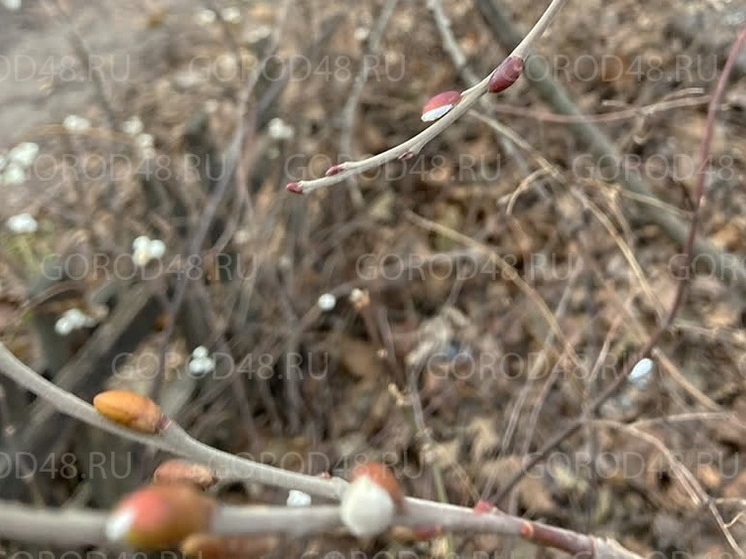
(298,499)
(640,376)
(22,223)
(367,509)
(327,302)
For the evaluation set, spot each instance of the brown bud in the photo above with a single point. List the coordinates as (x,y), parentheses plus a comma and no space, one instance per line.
(129,409)
(180,472)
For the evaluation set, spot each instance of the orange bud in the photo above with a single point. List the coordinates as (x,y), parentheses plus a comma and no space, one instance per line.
(160,517)
(129,409)
(207,546)
(181,472)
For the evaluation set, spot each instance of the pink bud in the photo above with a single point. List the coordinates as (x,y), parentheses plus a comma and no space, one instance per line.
(334,170)
(506,74)
(439,105)
(294,187)
(483,507)
(406,155)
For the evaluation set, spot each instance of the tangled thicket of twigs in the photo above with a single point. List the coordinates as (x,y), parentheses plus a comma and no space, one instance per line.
(479,306)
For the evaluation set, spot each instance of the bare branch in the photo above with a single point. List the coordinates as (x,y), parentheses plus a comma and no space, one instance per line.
(172,438)
(85,527)
(405,150)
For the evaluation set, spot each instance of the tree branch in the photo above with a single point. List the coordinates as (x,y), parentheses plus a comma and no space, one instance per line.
(86,527)
(339,173)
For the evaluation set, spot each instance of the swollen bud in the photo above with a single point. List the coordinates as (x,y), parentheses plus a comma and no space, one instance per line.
(371,501)
(506,74)
(483,507)
(180,472)
(334,170)
(439,105)
(160,517)
(130,410)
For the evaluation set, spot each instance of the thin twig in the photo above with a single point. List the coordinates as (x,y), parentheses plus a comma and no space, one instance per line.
(611,116)
(452,47)
(508,272)
(353,99)
(726,266)
(218,194)
(172,438)
(655,337)
(83,51)
(413,146)
(685,477)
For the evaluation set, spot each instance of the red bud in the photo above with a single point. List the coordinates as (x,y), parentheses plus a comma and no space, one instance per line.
(439,105)
(334,170)
(506,74)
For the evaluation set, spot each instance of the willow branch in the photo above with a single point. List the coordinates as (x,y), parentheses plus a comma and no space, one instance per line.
(87,527)
(413,146)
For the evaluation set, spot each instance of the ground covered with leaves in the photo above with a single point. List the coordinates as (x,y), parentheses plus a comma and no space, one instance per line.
(448,314)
